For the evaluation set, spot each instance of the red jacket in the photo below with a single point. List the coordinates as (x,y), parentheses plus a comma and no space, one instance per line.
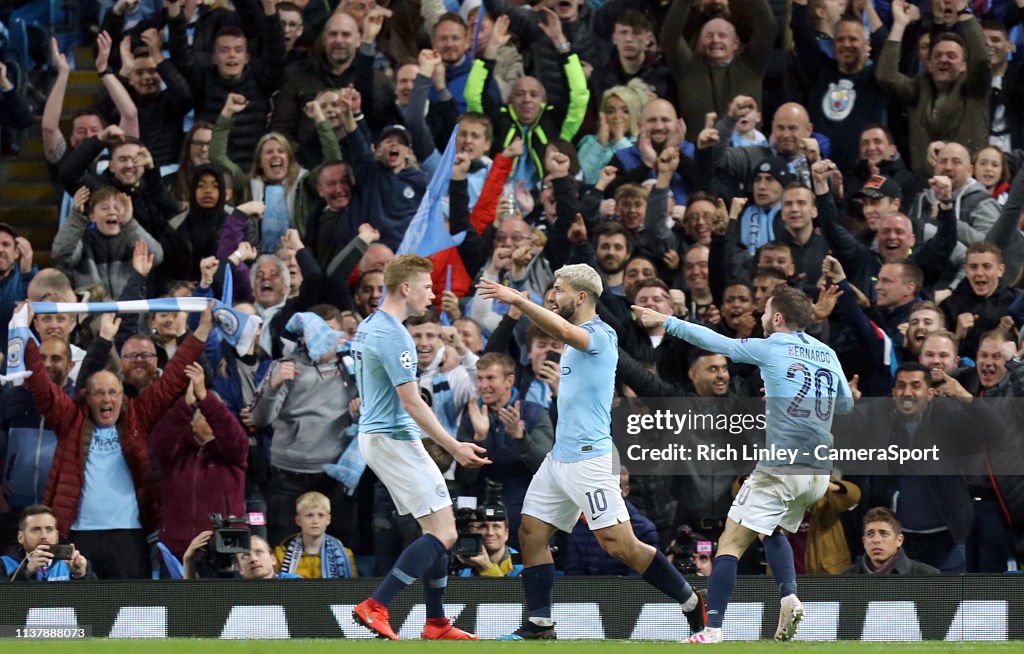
(195,480)
(74,428)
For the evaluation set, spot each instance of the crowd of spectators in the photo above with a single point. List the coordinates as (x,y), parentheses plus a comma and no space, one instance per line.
(697,153)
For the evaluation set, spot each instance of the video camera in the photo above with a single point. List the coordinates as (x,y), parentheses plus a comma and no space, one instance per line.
(470,543)
(685,546)
(230,537)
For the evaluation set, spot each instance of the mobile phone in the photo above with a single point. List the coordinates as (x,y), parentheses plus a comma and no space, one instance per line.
(554,356)
(61,552)
(704,547)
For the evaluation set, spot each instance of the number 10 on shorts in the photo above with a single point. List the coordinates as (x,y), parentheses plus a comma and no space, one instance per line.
(598,502)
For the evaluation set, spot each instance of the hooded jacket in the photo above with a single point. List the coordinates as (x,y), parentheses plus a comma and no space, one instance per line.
(975,208)
(309,413)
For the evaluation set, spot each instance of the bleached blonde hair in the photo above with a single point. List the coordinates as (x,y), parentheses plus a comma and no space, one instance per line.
(582,277)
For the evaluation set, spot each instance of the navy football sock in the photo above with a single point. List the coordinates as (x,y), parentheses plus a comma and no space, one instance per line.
(662,575)
(721,584)
(411,565)
(779,553)
(538,581)
(434,583)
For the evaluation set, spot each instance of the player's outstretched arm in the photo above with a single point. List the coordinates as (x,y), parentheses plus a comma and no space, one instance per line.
(549,321)
(740,350)
(467,454)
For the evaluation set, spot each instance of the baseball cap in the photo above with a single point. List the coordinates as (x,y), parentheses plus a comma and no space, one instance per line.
(398,131)
(776,167)
(878,187)
(6,227)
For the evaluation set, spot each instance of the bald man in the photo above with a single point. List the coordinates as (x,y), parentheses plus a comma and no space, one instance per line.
(976,210)
(346,57)
(101,488)
(528,115)
(660,122)
(709,76)
(734,168)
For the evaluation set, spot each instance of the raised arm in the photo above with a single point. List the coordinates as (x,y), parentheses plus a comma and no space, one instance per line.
(677,51)
(890,78)
(54,144)
(118,93)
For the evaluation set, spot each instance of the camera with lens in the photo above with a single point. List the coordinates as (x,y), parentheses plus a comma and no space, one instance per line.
(682,549)
(230,537)
(468,543)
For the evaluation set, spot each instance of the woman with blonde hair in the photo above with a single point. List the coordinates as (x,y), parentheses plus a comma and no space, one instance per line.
(275,179)
(618,129)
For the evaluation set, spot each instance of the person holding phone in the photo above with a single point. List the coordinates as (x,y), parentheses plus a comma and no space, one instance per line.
(39,556)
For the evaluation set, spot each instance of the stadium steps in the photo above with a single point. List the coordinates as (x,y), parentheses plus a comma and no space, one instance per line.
(28,200)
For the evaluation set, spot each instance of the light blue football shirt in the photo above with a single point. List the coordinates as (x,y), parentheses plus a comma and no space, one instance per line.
(585,390)
(803,382)
(108,497)
(385,357)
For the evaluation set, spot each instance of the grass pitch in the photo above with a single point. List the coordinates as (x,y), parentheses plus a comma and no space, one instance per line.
(189,646)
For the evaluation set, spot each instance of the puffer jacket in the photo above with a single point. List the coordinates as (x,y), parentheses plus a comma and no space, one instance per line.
(74,427)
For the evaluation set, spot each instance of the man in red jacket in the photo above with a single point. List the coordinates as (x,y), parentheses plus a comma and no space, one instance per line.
(101,486)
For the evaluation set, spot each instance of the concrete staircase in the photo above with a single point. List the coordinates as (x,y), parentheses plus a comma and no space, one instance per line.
(28,200)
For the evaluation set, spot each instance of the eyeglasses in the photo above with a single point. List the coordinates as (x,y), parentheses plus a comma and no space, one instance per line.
(515,238)
(138,356)
(200,144)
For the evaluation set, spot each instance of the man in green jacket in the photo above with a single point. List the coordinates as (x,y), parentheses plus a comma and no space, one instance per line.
(528,115)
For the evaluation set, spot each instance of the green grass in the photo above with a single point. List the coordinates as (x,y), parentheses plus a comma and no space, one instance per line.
(186,646)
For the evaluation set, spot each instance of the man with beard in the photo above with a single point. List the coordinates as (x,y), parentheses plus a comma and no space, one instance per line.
(16,272)
(27,450)
(773,500)
(161,95)
(343,56)
(660,129)
(979,305)
(894,239)
(528,115)
(949,100)
(720,68)
(451,39)
(577,475)
(232,72)
(844,94)
(612,249)
(392,418)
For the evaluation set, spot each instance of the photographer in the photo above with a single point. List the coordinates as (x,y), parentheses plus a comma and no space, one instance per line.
(38,557)
(257,563)
(495,556)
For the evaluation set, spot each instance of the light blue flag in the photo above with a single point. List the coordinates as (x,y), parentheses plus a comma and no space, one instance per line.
(427,233)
